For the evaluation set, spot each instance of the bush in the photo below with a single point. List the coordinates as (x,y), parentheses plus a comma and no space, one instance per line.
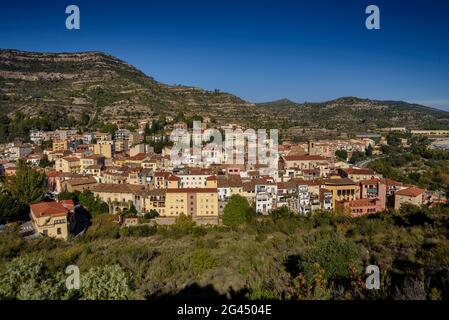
(151,214)
(27,278)
(108,282)
(235,212)
(137,231)
(334,255)
(201,260)
(103,227)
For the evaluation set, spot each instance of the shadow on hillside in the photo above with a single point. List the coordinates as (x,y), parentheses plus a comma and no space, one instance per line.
(291,265)
(195,292)
(83,220)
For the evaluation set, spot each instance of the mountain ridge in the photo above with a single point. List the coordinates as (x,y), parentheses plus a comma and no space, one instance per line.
(65,86)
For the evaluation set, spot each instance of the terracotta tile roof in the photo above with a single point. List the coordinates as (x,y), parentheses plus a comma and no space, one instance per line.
(162,174)
(53,174)
(173,178)
(249,186)
(362,171)
(67,204)
(342,181)
(157,192)
(287,185)
(369,181)
(231,181)
(93,157)
(390,182)
(81,181)
(71,159)
(234,181)
(192,190)
(304,158)
(48,209)
(119,188)
(138,157)
(411,192)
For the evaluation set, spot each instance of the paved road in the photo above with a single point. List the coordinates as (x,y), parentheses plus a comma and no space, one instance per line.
(365,163)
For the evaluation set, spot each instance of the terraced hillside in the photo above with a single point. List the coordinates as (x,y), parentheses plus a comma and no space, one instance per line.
(102,86)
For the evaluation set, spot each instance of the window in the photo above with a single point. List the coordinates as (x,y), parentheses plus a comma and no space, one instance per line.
(59,231)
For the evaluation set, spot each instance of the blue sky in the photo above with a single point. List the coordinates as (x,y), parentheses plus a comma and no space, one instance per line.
(258,50)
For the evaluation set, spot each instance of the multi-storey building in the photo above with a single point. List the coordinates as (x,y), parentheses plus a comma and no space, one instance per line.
(194,202)
(342,189)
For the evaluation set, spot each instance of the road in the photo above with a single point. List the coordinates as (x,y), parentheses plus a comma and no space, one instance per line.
(365,163)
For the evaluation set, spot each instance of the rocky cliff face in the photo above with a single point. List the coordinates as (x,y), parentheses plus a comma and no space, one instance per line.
(106,88)
(100,85)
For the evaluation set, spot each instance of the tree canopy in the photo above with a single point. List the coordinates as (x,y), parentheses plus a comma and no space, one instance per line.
(235,212)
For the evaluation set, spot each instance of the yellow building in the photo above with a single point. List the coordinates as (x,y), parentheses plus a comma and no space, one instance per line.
(121,196)
(104,148)
(194,202)
(342,189)
(68,165)
(60,145)
(53,219)
(89,161)
(412,195)
(156,201)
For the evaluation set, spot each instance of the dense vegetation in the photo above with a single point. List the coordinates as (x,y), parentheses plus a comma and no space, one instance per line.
(17,192)
(414,163)
(281,256)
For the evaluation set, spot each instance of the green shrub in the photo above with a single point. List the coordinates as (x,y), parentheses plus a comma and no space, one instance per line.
(235,212)
(137,231)
(334,255)
(201,260)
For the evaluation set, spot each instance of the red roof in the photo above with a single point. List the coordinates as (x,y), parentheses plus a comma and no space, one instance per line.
(363,171)
(304,158)
(192,190)
(369,181)
(71,159)
(52,174)
(411,192)
(49,209)
(390,182)
(67,204)
(162,174)
(137,157)
(94,157)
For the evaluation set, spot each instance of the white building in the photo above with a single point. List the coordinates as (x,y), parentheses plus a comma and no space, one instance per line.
(36,136)
(122,134)
(266,196)
(304,199)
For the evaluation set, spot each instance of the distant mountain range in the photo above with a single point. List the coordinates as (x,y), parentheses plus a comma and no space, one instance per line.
(105,88)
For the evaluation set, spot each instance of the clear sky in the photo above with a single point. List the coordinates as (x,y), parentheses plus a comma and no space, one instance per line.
(258,50)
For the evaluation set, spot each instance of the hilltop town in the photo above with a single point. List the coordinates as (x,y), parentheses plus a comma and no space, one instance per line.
(132,174)
(92,176)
